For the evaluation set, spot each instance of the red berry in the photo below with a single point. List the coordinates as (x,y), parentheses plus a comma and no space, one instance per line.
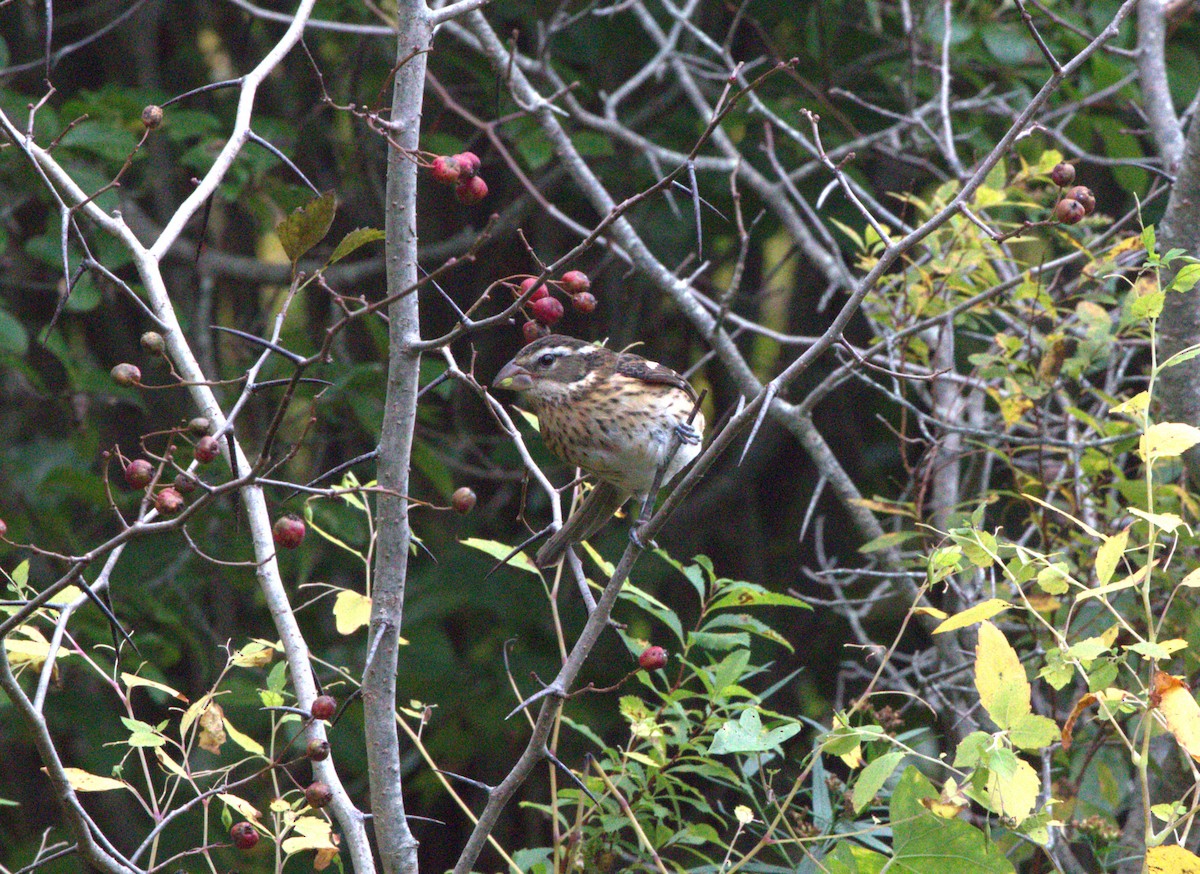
(652,658)
(185,483)
(207,448)
(288,531)
(168,502)
(1084,196)
(471,191)
(584,302)
(1069,212)
(3,528)
(126,374)
(446,169)
(243,835)
(323,707)
(548,310)
(317,750)
(139,473)
(575,282)
(318,794)
(469,162)
(533,329)
(529,283)
(463,500)
(1062,175)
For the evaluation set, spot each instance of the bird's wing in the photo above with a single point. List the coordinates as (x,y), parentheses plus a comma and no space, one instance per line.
(648,371)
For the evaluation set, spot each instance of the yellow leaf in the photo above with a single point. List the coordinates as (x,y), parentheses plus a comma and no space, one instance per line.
(1168,522)
(1172,859)
(1088,529)
(1130,581)
(942,614)
(978,613)
(1000,678)
(245,808)
(132,680)
(1109,554)
(312,833)
(1179,711)
(950,803)
(244,741)
(168,763)
(498,550)
(255,654)
(1192,580)
(212,728)
(351,611)
(1167,440)
(189,715)
(1135,407)
(1014,796)
(82,781)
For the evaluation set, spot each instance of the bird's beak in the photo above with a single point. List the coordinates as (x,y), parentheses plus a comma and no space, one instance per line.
(514,377)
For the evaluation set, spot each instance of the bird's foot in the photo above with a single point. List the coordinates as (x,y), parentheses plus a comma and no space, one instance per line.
(687,434)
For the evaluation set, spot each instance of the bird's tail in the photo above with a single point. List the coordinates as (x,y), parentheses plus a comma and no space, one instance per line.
(597,508)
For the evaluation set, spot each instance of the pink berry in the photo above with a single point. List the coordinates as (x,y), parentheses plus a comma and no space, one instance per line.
(533,330)
(3,528)
(446,170)
(584,302)
(1084,195)
(317,750)
(529,283)
(1069,212)
(243,835)
(575,282)
(288,531)
(470,164)
(126,374)
(1062,175)
(652,658)
(548,310)
(207,448)
(323,707)
(139,473)
(318,794)
(471,191)
(463,500)
(168,502)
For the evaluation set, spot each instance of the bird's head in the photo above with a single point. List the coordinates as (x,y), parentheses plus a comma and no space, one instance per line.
(550,366)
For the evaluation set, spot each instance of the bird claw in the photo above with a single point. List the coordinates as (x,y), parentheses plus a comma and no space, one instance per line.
(637,539)
(687,434)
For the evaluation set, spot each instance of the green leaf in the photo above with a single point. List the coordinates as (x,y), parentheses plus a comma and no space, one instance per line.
(306,226)
(924,842)
(1032,732)
(14,339)
(750,595)
(142,734)
(500,550)
(872,778)
(1147,306)
(971,749)
(1186,279)
(747,735)
(356,239)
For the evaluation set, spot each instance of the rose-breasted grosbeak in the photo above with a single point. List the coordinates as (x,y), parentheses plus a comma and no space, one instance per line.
(612,415)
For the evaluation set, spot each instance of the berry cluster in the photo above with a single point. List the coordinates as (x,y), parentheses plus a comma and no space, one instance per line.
(1076,201)
(546,308)
(461,172)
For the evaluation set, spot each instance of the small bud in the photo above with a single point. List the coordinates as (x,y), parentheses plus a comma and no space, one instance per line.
(126,374)
(1062,175)
(317,750)
(584,302)
(153,342)
(243,835)
(533,329)
(139,473)
(318,794)
(463,500)
(575,282)
(168,502)
(152,116)
(1084,196)
(288,531)
(548,310)
(1069,212)
(652,658)
(207,449)
(323,707)
(472,191)
(199,425)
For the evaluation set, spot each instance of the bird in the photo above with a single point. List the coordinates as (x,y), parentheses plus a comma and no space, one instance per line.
(611,414)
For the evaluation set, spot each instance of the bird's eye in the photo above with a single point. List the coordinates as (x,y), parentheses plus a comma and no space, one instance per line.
(546,360)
